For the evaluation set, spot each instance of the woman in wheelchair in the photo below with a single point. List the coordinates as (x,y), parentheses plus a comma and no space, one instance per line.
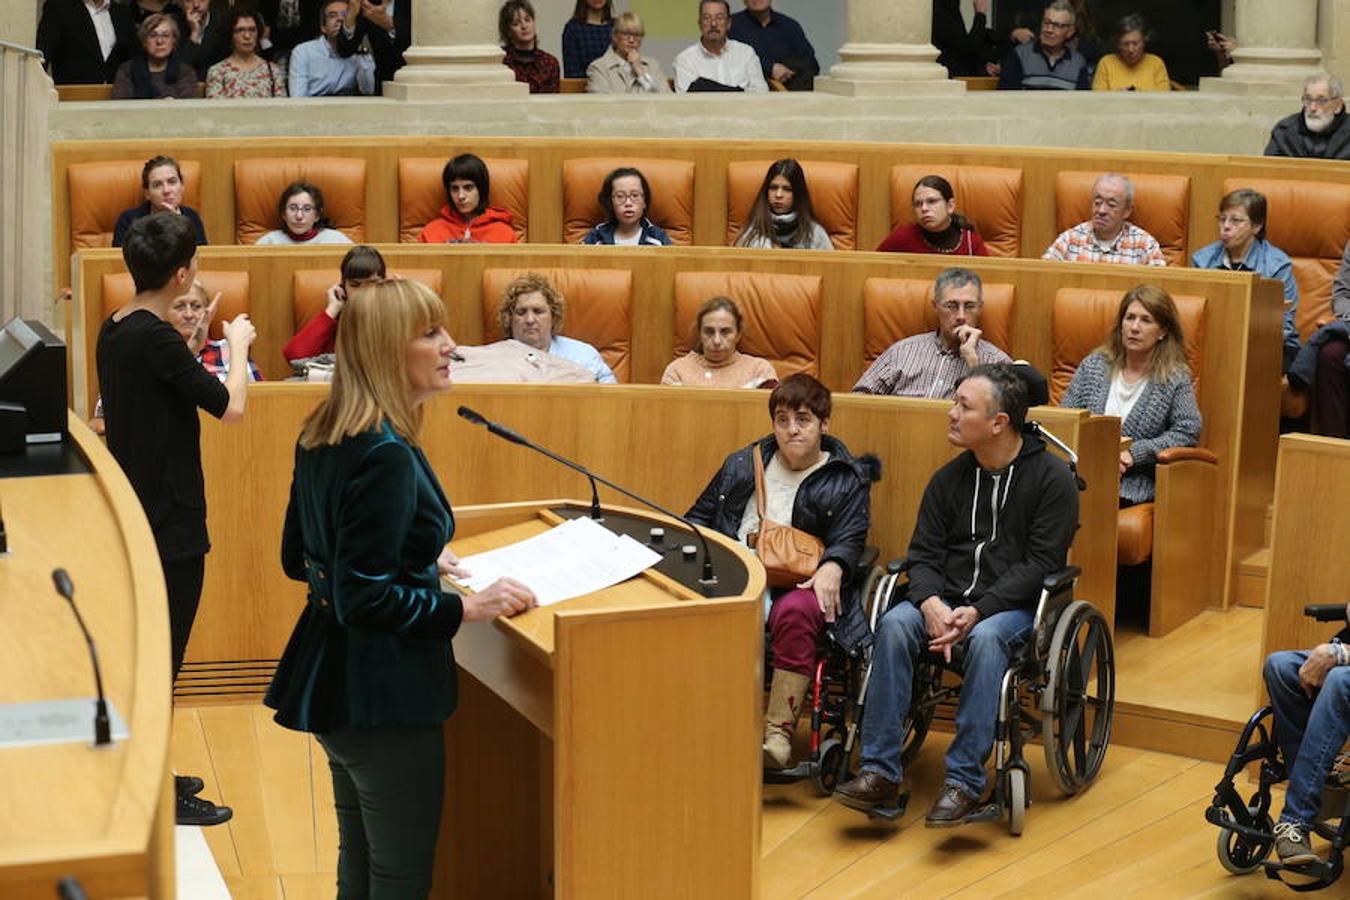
(812,482)
(992,525)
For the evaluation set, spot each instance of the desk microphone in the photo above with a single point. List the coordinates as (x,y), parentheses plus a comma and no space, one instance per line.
(102,731)
(707,578)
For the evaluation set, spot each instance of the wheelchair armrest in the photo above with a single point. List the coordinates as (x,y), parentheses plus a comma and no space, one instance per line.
(1061,578)
(898,565)
(1325,612)
(1182,454)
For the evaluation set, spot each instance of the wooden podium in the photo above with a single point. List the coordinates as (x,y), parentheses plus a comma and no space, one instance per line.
(609,745)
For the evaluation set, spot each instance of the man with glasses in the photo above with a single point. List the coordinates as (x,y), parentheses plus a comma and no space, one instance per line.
(785,54)
(622,69)
(933,363)
(716,63)
(1109,236)
(1319,131)
(1048,63)
(319,70)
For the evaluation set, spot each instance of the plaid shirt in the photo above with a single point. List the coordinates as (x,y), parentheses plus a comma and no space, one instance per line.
(215,358)
(920,366)
(1133,246)
(534,67)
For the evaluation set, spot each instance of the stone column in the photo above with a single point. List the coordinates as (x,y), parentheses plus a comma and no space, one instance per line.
(1277,48)
(454,53)
(889,52)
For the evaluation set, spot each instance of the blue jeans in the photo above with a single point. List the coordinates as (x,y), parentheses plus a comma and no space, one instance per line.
(901,637)
(1310,732)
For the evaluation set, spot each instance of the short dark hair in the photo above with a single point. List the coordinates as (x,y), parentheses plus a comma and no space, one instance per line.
(1253,202)
(801,391)
(726,4)
(323,9)
(507,15)
(154,163)
(362,261)
(956,277)
(1008,389)
(156,247)
(243,12)
(607,202)
(296,188)
(714,304)
(467,167)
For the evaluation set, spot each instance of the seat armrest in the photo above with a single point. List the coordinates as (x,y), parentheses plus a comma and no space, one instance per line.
(1325,612)
(897,565)
(1061,578)
(1181,454)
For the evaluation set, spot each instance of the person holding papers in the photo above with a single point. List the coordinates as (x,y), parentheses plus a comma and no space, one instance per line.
(369,668)
(814,484)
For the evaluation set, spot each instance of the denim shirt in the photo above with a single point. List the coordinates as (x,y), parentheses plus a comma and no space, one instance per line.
(1266,260)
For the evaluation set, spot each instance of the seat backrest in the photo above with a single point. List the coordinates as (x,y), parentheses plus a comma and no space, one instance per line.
(671,181)
(309,289)
(834,197)
(990,197)
(1083,317)
(599,309)
(897,308)
(1309,220)
(99,191)
(421,193)
(780,314)
(118,290)
(258,184)
(1162,207)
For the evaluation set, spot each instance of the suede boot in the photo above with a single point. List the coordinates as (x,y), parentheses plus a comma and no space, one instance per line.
(787,696)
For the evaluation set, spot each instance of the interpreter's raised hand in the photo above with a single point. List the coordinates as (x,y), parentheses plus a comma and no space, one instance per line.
(240,333)
(448,564)
(825,583)
(1314,670)
(504,597)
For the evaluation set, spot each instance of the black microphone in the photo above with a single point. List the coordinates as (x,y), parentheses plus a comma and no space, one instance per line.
(706,579)
(102,731)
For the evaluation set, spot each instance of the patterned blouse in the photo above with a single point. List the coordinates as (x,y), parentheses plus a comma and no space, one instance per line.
(227,81)
(536,68)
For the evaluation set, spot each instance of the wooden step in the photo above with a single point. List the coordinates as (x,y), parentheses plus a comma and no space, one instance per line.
(1252,573)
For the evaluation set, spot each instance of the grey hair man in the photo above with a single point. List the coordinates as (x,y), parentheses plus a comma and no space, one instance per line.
(1319,131)
(1109,236)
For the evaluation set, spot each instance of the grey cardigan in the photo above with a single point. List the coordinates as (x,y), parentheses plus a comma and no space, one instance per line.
(1165,415)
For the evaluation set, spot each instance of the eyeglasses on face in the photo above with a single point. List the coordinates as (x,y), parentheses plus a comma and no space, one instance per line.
(621,197)
(714,19)
(631,35)
(297,209)
(1319,101)
(162,35)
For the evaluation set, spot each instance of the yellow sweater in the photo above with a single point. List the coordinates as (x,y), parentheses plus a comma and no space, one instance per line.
(1113,75)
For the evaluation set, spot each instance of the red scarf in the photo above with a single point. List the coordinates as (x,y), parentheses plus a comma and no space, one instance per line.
(301,238)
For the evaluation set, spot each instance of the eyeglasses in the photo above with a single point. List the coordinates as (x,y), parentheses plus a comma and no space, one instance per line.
(296,209)
(631,35)
(718,19)
(162,35)
(1234,220)
(1058,26)
(1319,101)
(952,306)
(635,196)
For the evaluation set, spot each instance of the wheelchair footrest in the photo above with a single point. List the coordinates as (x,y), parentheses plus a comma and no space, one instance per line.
(890,813)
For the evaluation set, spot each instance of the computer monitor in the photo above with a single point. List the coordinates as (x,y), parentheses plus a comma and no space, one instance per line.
(33,375)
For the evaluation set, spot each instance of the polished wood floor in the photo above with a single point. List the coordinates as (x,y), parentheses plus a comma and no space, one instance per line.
(1139,832)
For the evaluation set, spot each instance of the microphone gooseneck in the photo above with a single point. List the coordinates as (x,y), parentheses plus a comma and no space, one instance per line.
(102,728)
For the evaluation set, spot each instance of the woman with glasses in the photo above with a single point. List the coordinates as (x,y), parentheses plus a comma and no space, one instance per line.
(625,197)
(244,73)
(158,73)
(622,69)
(937,226)
(301,212)
(586,36)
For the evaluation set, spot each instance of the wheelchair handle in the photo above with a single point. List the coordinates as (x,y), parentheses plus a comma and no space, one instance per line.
(1061,578)
(1325,612)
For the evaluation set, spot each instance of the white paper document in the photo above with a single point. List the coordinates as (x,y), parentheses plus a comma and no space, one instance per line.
(574,558)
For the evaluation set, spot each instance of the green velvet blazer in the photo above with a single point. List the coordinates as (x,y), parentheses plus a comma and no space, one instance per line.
(365,524)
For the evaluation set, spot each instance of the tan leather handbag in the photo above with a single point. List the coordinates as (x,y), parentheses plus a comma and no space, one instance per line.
(789,555)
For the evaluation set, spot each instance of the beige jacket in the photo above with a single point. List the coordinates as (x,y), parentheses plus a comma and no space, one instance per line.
(611,74)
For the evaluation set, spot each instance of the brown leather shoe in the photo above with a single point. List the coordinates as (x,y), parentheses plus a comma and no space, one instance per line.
(867,791)
(951,808)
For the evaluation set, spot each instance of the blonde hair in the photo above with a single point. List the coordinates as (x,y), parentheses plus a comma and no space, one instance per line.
(630,20)
(370,379)
(531,283)
(1169,355)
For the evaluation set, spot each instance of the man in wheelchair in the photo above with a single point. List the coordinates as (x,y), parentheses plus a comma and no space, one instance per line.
(1310,693)
(992,525)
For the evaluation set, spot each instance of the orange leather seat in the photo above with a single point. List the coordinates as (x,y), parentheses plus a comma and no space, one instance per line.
(309,289)
(990,197)
(1162,206)
(118,290)
(897,308)
(671,181)
(599,309)
(1310,221)
(780,313)
(421,193)
(834,197)
(100,191)
(258,184)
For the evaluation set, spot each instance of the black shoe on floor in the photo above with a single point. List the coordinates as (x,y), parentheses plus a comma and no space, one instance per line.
(196,811)
(187,785)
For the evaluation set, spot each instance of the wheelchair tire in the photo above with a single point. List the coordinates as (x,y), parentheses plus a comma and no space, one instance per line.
(1079,697)
(1241,856)
(831,768)
(1017,800)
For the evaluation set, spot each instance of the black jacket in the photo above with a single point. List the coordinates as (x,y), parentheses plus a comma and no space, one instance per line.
(989,539)
(962,51)
(68,41)
(1290,137)
(388,51)
(286,36)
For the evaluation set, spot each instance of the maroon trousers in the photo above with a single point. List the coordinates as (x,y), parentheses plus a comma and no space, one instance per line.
(795,624)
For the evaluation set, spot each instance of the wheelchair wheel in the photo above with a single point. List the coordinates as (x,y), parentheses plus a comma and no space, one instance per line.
(1240,855)
(831,768)
(922,708)
(1017,800)
(1079,697)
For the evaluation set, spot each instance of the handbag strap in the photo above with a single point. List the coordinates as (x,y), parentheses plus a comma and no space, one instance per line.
(760,503)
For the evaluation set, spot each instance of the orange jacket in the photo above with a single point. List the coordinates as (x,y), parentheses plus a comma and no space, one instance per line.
(493,226)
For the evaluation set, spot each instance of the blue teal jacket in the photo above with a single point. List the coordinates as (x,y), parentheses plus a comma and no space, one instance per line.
(366,521)
(1268,261)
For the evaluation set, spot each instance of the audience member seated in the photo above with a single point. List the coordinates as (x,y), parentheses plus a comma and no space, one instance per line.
(716,63)
(963,51)
(1320,130)
(622,69)
(814,484)
(1109,236)
(1310,693)
(157,72)
(532,311)
(715,361)
(207,39)
(625,197)
(932,365)
(244,73)
(938,228)
(782,215)
(300,209)
(976,569)
(1242,247)
(317,69)
(1026,17)
(84,41)
(467,217)
(1130,68)
(162,182)
(287,24)
(361,266)
(785,53)
(586,37)
(1048,63)
(520,41)
(388,34)
(1324,361)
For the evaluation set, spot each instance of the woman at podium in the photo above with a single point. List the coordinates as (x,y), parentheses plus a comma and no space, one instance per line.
(369,668)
